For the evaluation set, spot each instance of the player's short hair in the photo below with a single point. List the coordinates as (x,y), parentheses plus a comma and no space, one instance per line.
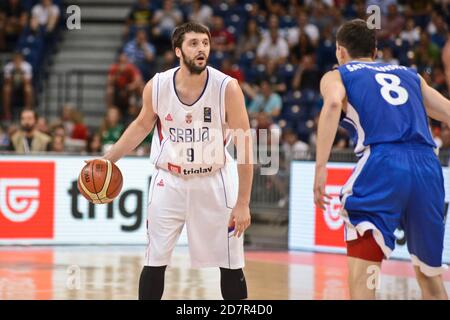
(357,38)
(181,30)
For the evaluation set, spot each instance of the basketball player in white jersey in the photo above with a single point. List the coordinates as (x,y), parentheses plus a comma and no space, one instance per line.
(193,106)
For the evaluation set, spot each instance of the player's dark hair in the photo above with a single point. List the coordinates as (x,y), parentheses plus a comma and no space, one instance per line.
(357,38)
(181,30)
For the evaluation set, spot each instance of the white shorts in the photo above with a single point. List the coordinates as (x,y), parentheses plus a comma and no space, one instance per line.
(204,204)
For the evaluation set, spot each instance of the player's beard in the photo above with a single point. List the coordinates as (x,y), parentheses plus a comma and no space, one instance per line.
(192,67)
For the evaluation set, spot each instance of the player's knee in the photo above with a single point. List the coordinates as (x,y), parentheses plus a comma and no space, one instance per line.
(233,284)
(151,283)
(432,287)
(365,248)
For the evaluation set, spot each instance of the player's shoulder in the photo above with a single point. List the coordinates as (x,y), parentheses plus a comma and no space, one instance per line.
(217,75)
(331,76)
(165,75)
(163,80)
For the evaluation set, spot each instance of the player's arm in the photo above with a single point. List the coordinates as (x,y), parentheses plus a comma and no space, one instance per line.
(238,122)
(333,93)
(137,130)
(436,105)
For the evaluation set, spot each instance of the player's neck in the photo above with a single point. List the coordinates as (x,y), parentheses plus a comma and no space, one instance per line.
(185,78)
(360,60)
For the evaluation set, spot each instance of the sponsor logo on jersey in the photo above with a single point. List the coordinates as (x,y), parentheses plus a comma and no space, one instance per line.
(189,135)
(197,171)
(174,168)
(207,114)
(188,118)
(168,117)
(160,183)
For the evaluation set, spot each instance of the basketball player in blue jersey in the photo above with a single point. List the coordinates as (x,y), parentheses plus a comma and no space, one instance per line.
(398,180)
(193,106)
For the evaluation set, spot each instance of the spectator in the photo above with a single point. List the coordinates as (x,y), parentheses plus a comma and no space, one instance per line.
(303,47)
(292,147)
(426,53)
(445,138)
(201,13)
(13,19)
(140,17)
(79,131)
(273,47)
(141,53)
(164,21)
(232,70)
(439,81)
(59,130)
(57,144)
(326,51)
(17,84)
(320,15)
(250,40)
(221,39)
(94,144)
(386,56)
(382,4)
(420,10)
(124,81)
(446,61)
(267,102)
(4,138)
(111,129)
(67,119)
(28,138)
(392,23)
(307,75)
(411,34)
(44,16)
(42,125)
(275,77)
(169,61)
(303,27)
(438,30)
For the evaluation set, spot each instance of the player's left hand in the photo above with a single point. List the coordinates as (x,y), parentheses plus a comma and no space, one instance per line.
(240,218)
(320,181)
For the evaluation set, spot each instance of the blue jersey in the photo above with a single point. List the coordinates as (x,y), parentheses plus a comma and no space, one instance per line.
(385,105)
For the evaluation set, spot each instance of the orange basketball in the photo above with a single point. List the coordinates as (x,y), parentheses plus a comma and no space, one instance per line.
(100,181)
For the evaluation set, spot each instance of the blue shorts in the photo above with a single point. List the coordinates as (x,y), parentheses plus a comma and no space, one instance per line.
(398,185)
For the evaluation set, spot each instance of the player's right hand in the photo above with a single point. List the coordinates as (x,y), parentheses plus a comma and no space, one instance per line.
(240,218)
(320,181)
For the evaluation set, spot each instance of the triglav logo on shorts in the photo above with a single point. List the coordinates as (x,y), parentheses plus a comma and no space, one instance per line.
(19,198)
(26,199)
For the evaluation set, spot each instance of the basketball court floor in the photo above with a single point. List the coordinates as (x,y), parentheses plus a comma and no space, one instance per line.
(112,272)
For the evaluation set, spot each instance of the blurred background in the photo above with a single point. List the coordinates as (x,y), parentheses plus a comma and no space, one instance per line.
(82,87)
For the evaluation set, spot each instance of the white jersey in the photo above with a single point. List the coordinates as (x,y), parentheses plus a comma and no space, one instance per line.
(190,139)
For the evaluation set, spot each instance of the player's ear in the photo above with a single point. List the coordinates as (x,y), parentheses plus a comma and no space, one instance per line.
(178,52)
(339,53)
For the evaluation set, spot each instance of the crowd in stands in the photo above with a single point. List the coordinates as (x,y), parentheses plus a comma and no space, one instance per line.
(278,51)
(29,29)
